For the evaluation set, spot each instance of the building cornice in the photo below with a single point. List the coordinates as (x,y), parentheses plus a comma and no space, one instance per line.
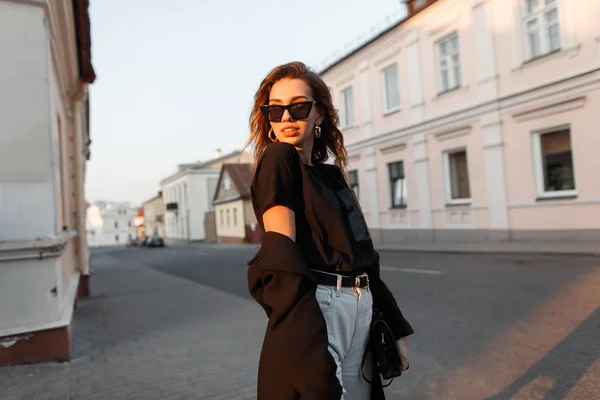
(573,85)
(40,248)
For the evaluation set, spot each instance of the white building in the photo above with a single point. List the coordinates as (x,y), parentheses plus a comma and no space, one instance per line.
(188,194)
(111,225)
(45,70)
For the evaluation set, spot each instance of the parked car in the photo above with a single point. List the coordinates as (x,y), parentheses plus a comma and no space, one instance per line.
(132,242)
(156,241)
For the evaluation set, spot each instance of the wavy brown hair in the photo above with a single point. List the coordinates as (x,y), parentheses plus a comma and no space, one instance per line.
(331,140)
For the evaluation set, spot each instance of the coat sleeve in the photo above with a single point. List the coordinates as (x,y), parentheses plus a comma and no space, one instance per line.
(295,360)
(385,302)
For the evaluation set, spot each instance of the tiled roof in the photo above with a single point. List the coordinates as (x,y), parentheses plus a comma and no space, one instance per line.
(241,175)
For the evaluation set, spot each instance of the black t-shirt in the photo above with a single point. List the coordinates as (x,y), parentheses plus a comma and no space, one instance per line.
(330,227)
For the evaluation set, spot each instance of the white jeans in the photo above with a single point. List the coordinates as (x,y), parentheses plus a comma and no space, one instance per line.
(348,313)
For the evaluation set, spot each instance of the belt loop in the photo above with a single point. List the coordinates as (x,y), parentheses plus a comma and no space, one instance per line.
(338,286)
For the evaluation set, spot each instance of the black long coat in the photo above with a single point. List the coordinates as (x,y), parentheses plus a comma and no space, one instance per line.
(295,362)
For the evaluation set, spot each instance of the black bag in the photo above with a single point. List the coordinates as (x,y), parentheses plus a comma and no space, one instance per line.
(384,350)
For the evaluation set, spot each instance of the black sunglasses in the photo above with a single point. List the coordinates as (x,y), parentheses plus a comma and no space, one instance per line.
(300,110)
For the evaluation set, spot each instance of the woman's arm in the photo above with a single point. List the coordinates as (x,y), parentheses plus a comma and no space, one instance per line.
(282,220)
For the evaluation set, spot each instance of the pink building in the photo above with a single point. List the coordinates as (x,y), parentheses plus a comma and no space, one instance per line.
(476,120)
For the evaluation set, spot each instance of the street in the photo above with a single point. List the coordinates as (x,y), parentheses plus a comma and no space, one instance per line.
(178,323)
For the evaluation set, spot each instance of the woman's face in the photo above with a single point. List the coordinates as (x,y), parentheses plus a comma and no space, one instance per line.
(298,132)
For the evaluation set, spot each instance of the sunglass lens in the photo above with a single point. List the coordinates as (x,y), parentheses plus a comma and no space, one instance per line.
(275,113)
(300,110)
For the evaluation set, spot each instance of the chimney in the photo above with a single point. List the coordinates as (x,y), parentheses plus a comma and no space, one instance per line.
(218,153)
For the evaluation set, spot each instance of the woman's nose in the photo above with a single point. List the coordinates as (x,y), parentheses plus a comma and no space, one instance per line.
(286,116)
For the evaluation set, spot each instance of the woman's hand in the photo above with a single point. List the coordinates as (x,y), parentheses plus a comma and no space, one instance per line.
(403,347)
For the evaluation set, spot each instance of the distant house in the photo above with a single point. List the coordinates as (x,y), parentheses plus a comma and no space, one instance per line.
(188,194)
(235,220)
(110,224)
(154,214)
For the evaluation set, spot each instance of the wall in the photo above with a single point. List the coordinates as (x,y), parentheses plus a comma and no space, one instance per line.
(232,227)
(27,157)
(501,101)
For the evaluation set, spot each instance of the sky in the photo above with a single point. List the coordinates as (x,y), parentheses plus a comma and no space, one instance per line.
(175,80)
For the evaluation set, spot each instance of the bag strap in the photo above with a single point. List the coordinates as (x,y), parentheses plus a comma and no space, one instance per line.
(375,373)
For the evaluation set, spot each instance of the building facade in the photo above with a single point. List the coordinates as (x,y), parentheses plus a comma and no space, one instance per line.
(475,120)
(44,123)
(154,216)
(188,195)
(234,216)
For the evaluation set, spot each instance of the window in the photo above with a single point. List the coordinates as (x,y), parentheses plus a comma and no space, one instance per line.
(129,224)
(554,163)
(226,183)
(347,107)
(397,184)
(391,89)
(541,28)
(228,219)
(353,182)
(235,217)
(116,238)
(457,177)
(116,224)
(221,217)
(448,57)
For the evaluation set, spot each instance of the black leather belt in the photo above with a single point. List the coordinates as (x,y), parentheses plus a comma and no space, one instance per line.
(325,278)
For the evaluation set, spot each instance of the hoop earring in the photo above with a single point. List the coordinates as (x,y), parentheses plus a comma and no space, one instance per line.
(272,138)
(317,131)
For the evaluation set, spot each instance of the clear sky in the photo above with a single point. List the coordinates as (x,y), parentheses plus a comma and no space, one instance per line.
(176,79)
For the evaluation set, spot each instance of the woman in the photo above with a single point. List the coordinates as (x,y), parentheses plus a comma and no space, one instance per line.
(316,274)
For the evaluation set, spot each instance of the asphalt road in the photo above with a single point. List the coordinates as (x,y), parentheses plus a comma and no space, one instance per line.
(487,326)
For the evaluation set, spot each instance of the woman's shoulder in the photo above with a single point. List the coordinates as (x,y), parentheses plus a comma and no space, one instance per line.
(279,151)
(280,159)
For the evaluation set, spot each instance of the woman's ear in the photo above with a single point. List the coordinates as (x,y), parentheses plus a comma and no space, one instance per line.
(320,116)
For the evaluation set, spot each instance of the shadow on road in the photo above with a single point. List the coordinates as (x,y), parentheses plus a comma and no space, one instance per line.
(564,366)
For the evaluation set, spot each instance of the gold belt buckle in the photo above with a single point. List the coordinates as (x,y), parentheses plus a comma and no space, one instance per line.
(357,280)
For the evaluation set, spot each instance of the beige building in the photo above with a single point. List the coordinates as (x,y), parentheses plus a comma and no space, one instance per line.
(154,216)
(44,123)
(474,120)
(234,216)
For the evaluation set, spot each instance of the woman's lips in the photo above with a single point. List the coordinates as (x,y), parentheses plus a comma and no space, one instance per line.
(290,132)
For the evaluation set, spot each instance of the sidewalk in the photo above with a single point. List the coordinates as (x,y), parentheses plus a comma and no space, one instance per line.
(548,248)
(148,335)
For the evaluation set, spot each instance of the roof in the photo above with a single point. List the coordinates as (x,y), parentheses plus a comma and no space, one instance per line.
(208,163)
(159,196)
(182,168)
(374,38)
(241,176)
(84,40)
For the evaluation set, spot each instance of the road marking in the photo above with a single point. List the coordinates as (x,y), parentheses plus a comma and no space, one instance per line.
(412,271)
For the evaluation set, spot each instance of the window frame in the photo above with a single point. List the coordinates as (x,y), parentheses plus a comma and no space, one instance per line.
(539,14)
(403,204)
(384,91)
(448,57)
(345,122)
(538,166)
(448,177)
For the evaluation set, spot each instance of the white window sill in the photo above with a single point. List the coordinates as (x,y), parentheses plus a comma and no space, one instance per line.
(569,51)
(390,111)
(458,202)
(557,195)
(456,89)
(347,127)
